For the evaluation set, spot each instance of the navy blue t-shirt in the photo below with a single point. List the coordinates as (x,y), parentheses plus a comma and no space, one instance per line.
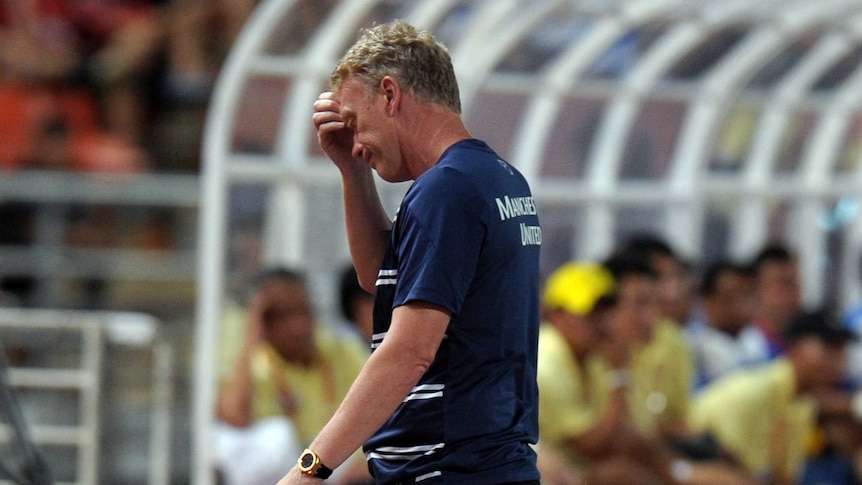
(466,238)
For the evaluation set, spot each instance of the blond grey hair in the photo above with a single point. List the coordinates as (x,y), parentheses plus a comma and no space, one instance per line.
(419,62)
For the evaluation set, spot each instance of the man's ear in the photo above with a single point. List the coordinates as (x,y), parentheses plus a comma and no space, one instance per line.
(392,92)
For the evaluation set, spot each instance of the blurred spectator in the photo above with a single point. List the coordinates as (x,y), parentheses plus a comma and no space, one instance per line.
(667,361)
(724,340)
(571,373)
(779,294)
(54,127)
(675,283)
(766,415)
(630,336)
(283,384)
(120,41)
(356,304)
(199,35)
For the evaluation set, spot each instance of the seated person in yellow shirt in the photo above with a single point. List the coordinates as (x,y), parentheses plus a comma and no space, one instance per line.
(287,379)
(766,415)
(667,360)
(587,433)
(639,332)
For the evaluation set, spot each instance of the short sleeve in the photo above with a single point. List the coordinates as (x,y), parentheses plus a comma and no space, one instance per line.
(442,226)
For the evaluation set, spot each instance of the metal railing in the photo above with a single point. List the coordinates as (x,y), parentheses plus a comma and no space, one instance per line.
(94,329)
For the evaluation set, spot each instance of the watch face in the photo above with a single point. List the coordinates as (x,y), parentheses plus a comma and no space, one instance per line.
(307,460)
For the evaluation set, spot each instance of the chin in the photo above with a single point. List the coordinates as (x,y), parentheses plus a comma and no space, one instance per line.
(391,178)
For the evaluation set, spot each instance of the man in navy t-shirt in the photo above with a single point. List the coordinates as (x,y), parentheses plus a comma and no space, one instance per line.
(449,394)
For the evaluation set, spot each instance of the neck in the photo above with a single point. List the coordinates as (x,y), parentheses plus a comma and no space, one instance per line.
(301,359)
(433,130)
(801,383)
(773,319)
(725,329)
(579,355)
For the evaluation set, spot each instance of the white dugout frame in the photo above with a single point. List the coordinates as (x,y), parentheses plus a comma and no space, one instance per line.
(485,33)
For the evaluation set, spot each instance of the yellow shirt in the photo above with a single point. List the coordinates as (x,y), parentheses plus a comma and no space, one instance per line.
(757,415)
(316,391)
(571,399)
(662,374)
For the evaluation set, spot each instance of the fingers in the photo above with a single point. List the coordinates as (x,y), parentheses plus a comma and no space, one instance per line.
(327,113)
(333,133)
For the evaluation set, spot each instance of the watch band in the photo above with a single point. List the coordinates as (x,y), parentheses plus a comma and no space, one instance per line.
(310,464)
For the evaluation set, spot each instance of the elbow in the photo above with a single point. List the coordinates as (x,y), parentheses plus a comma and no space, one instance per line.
(421,366)
(367,279)
(419,359)
(409,365)
(232,417)
(368,285)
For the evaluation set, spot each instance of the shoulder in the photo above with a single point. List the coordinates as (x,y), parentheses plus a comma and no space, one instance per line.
(670,333)
(747,385)
(471,161)
(550,340)
(853,319)
(554,353)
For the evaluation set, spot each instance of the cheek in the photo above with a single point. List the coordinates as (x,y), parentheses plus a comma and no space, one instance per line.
(670,289)
(830,364)
(628,324)
(578,337)
(837,363)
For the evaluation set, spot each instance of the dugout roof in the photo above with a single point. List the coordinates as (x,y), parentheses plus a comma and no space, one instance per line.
(718,124)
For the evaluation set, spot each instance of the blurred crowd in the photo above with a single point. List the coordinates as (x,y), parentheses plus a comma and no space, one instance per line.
(114,87)
(100,85)
(655,370)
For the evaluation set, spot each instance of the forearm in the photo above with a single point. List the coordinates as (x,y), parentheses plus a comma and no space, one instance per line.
(616,435)
(368,225)
(387,378)
(375,395)
(603,439)
(234,400)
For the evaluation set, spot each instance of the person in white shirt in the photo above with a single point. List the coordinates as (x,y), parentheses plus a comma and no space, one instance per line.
(724,339)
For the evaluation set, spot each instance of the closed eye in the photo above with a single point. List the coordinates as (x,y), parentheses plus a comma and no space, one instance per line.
(349,117)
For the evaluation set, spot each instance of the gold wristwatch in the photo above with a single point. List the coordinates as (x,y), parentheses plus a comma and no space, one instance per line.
(309,464)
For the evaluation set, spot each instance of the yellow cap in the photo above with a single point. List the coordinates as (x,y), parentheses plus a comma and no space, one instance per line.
(577,286)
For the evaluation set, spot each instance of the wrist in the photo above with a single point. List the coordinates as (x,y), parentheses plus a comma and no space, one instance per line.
(681,470)
(310,465)
(354,168)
